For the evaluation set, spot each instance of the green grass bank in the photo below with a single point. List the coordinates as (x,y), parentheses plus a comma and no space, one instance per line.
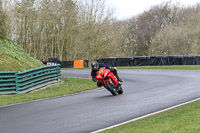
(14,58)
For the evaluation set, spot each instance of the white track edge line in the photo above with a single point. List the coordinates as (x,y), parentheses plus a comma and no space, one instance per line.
(145,116)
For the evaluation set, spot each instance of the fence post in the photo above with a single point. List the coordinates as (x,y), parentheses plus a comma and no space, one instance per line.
(16,82)
(58,71)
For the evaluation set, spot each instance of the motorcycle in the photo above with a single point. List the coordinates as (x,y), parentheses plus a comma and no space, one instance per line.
(109,81)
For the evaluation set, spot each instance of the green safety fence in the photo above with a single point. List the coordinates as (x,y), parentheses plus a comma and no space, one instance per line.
(26,81)
(7,83)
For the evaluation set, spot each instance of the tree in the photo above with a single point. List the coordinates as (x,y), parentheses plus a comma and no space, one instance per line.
(142,29)
(3,17)
(95,24)
(179,39)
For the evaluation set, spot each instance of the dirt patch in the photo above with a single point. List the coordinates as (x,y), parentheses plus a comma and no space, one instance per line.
(42,88)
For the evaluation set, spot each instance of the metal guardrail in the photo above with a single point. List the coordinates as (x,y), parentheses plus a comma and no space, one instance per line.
(7,82)
(23,82)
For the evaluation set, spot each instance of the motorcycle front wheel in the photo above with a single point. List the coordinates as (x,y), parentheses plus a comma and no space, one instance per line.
(120,91)
(110,88)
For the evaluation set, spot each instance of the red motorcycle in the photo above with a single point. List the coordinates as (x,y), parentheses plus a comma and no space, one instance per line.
(109,81)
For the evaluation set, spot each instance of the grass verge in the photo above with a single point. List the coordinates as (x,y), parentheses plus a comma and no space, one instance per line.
(68,86)
(172,67)
(184,119)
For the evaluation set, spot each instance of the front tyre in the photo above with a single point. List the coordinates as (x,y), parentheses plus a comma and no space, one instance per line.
(120,91)
(110,88)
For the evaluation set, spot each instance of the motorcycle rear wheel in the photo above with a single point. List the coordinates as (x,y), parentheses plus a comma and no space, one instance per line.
(110,88)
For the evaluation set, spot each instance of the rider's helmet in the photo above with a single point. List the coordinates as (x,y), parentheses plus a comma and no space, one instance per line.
(95,65)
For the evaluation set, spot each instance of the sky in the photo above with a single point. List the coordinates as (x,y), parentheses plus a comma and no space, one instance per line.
(127,8)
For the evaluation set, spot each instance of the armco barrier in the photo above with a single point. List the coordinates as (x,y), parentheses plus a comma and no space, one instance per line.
(7,83)
(23,82)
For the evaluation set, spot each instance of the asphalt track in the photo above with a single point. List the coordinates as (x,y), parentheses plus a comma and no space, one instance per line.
(145,92)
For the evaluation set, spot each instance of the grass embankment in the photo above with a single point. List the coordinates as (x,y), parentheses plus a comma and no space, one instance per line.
(184,119)
(68,86)
(14,58)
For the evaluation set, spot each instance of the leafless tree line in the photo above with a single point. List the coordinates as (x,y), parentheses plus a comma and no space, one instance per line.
(165,29)
(87,29)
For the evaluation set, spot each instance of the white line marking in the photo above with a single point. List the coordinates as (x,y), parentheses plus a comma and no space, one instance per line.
(145,116)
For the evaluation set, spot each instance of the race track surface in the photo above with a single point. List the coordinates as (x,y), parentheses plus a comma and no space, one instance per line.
(145,91)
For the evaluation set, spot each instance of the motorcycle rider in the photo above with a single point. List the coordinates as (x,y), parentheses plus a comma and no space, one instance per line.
(95,68)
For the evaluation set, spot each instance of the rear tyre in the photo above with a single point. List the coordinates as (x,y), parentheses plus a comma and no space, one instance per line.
(110,88)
